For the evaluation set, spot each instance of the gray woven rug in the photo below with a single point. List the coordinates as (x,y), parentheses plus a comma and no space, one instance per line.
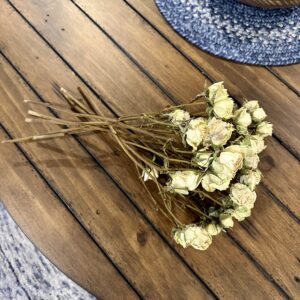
(25,273)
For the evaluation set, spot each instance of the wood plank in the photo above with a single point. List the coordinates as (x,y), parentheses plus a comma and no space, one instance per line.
(291,74)
(252,82)
(153,60)
(54,231)
(234,269)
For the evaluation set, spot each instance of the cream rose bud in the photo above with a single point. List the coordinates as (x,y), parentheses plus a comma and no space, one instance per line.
(150,174)
(250,178)
(251,105)
(178,116)
(242,118)
(241,212)
(264,129)
(220,100)
(219,132)
(251,161)
(258,115)
(211,182)
(184,181)
(226,220)
(241,149)
(221,170)
(223,108)
(193,235)
(241,195)
(255,143)
(202,159)
(213,229)
(179,237)
(196,132)
(232,160)
(217,91)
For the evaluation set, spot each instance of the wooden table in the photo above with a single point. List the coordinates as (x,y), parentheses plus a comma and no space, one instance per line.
(79,200)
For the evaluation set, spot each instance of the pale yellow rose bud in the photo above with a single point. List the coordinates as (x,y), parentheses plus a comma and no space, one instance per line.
(211,182)
(241,149)
(251,105)
(264,129)
(223,108)
(213,229)
(219,132)
(184,181)
(241,195)
(217,91)
(251,178)
(251,161)
(255,143)
(221,170)
(241,212)
(192,235)
(150,174)
(202,159)
(221,102)
(232,160)
(178,236)
(258,115)
(196,132)
(179,116)
(242,119)
(226,220)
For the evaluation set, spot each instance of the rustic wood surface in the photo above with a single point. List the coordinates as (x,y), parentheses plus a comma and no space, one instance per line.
(79,199)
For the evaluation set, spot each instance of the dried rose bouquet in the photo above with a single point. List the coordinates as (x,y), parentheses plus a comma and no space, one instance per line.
(200,157)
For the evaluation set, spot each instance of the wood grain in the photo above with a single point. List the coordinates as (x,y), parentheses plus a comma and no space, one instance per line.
(291,74)
(54,231)
(223,280)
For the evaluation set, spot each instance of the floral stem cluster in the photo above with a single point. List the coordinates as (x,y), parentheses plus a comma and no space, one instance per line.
(199,157)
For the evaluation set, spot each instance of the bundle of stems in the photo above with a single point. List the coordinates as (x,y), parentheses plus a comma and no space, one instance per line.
(149,140)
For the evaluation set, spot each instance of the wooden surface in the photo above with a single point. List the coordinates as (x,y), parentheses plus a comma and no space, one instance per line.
(79,200)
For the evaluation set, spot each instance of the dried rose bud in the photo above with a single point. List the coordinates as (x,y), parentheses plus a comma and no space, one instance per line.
(255,143)
(192,235)
(184,181)
(213,229)
(241,149)
(226,220)
(251,178)
(221,170)
(264,129)
(241,195)
(258,115)
(202,159)
(251,105)
(251,161)
(241,212)
(179,116)
(196,132)
(219,132)
(242,119)
(211,182)
(232,160)
(221,102)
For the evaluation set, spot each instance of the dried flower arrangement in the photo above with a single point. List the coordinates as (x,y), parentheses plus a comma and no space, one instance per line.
(202,156)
